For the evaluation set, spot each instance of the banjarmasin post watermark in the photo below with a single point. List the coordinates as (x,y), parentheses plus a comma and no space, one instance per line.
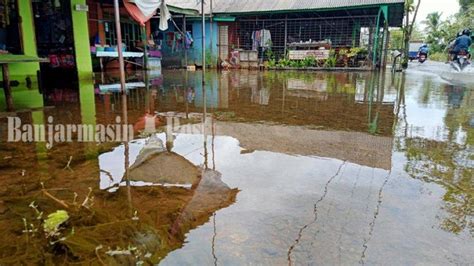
(58,133)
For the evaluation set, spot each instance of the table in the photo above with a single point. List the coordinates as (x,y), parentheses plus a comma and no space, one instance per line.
(5,60)
(113,55)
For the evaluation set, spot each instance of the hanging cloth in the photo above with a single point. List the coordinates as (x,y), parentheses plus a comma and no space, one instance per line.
(165,15)
(143,10)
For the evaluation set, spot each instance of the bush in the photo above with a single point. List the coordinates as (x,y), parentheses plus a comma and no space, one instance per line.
(332,60)
(440,57)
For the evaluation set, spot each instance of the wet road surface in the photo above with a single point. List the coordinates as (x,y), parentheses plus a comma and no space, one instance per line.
(258,168)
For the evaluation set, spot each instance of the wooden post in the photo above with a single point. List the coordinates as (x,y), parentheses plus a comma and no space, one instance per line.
(203,77)
(118,30)
(385,47)
(203,41)
(185,46)
(7,88)
(211,35)
(145,47)
(100,24)
(286,36)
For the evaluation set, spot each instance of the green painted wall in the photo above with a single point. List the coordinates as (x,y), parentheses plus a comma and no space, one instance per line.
(81,41)
(21,71)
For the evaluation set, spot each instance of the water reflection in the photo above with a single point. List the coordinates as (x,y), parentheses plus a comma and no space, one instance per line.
(330,168)
(444,158)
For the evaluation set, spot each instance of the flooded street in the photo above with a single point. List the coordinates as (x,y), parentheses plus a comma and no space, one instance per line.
(257,168)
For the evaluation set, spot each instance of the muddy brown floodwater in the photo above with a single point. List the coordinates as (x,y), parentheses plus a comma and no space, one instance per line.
(271,168)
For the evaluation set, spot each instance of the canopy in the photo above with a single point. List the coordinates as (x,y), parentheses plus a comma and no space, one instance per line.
(144,10)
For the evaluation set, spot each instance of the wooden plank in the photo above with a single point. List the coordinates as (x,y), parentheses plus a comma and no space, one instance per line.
(7,88)
(12,58)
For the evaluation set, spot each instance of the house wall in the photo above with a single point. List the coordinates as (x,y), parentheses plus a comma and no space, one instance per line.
(176,57)
(198,49)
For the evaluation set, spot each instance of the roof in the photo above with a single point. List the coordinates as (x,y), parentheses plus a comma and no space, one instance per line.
(252,6)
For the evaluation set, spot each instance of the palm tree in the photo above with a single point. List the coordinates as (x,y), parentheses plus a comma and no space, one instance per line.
(433,22)
(434,25)
(465,4)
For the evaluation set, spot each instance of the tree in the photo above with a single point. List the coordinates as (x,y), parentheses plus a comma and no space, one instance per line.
(435,35)
(433,22)
(465,4)
(409,26)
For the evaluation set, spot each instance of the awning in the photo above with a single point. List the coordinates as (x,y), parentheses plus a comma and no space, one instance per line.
(144,10)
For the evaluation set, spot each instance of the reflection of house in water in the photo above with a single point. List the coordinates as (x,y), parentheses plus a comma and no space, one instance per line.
(316,89)
(346,106)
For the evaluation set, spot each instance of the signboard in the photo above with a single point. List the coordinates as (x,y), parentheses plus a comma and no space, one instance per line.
(82,8)
(302,54)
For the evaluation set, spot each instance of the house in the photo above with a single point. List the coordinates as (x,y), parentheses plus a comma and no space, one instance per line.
(65,30)
(297,25)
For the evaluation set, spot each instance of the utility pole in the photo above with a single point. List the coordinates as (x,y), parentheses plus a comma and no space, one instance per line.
(203,76)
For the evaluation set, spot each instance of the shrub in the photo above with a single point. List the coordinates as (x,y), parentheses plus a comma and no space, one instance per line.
(332,60)
(441,57)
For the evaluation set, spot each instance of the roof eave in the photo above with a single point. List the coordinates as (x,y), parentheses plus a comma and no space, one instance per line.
(306,10)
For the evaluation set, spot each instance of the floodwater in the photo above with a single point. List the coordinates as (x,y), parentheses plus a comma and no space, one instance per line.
(259,168)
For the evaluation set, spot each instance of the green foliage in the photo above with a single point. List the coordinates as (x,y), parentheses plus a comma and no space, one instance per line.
(440,33)
(332,60)
(466,4)
(355,51)
(272,62)
(309,62)
(269,53)
(438,56)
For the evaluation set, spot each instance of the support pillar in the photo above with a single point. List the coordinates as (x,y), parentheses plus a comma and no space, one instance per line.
(101,26)
(185,46)
(7,88)
(376,41)
(286,35)
(385,46)
(80,29)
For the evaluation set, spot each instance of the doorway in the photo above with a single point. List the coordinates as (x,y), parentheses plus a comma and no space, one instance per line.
(55,41)
(10,41)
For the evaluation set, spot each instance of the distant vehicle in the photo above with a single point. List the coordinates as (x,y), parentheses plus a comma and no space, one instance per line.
(413,50)
(422,57)
(461,60)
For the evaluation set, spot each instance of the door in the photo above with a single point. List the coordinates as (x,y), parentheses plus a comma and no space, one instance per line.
(223,43)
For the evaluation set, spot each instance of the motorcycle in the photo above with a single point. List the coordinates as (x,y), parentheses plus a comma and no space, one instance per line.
(422,57)
(461,61)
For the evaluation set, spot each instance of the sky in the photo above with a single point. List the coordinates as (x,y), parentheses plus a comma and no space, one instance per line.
(448,7)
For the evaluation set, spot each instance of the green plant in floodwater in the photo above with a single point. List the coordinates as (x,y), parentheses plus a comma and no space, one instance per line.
(54,220)
(272,63)
(269,54)
(309,62)
(332,60)
(38,213)
(283,62)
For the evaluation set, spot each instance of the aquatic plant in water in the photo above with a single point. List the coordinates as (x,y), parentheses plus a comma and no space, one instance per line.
(54,221)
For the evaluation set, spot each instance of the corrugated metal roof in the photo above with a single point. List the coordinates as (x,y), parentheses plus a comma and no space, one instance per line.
(250,6)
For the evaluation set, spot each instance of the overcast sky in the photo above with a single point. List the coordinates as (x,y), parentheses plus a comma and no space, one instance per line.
(448,7)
